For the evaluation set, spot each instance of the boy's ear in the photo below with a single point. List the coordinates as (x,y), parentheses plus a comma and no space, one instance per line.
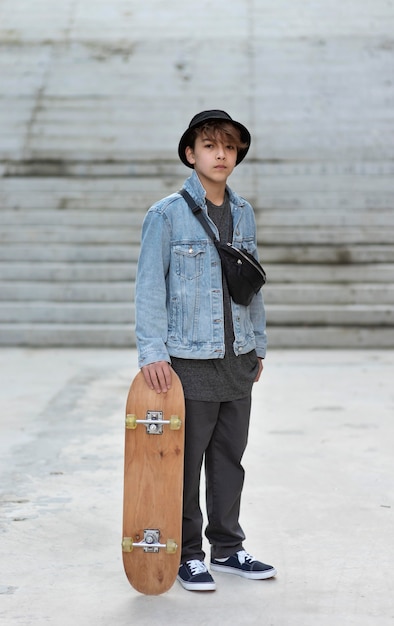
(190,155)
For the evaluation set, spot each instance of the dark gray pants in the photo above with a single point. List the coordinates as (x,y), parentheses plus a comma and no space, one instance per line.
(218,430)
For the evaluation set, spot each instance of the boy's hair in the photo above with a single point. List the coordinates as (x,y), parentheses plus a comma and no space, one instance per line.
(213,130)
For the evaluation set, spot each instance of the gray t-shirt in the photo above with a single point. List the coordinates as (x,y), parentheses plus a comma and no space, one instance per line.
(230,378)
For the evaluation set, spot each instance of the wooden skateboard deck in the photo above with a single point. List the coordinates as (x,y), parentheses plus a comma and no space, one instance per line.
(153,485)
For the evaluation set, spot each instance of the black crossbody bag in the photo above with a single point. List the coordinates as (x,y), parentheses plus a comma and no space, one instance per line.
(244,275)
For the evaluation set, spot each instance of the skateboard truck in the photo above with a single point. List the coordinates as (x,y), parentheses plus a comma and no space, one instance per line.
(154,422)
(151,543)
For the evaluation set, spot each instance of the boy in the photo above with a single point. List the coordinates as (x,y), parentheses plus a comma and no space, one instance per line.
(186,320)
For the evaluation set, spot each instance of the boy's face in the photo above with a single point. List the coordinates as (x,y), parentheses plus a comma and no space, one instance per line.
(213,158)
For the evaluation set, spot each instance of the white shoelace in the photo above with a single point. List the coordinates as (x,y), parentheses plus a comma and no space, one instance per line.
(197,567)
(245,556)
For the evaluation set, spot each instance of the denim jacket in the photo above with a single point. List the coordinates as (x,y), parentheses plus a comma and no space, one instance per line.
(179,295)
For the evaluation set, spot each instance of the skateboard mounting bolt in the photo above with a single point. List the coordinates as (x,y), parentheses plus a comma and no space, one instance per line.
(154,422)
(151,540)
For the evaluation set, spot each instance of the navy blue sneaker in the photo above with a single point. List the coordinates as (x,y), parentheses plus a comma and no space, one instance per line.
(243,564)
(194,576)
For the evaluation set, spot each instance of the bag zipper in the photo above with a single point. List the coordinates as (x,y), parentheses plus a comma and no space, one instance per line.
(254,262)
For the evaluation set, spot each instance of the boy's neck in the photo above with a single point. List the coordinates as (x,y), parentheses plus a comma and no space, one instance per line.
(215,192)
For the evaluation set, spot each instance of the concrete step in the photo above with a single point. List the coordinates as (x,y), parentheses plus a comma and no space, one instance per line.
(67,312)
(122,335)
(113,271)
(123,292)
(71,234)
(66,292)
(339,274)
(133,216)
(69,253)
(325,254)
(325,235)
(40,335)
(373,337)
(67,272)
(301,217)
(122,234)
(332,315)
(130,217)
(283,255)
(316,294)
(170,168)
(123,313)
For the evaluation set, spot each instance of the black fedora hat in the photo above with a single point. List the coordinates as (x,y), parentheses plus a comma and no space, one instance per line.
(210,116)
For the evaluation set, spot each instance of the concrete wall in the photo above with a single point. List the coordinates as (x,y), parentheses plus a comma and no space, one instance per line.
(119,79)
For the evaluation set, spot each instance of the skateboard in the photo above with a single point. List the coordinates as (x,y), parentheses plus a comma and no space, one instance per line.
(153,485)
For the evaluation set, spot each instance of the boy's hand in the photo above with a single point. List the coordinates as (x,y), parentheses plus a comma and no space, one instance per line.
(260,370)
(158,376)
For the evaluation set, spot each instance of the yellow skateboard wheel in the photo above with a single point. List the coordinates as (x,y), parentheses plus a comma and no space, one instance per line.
(175,422)
(131,422)
(127,544)
(171,546)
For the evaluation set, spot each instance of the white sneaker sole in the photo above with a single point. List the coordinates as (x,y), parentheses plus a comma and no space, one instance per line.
(197,586)
(269,573)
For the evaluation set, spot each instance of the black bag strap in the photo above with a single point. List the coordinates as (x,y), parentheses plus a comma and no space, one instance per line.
(197,210)
(250,260)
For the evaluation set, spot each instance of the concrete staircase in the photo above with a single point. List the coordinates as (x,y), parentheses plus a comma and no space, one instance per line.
(67,264)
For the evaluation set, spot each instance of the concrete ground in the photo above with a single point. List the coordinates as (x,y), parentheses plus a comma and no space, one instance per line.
(318,500)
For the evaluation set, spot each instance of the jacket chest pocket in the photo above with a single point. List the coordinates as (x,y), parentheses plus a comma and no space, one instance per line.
(189,259)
